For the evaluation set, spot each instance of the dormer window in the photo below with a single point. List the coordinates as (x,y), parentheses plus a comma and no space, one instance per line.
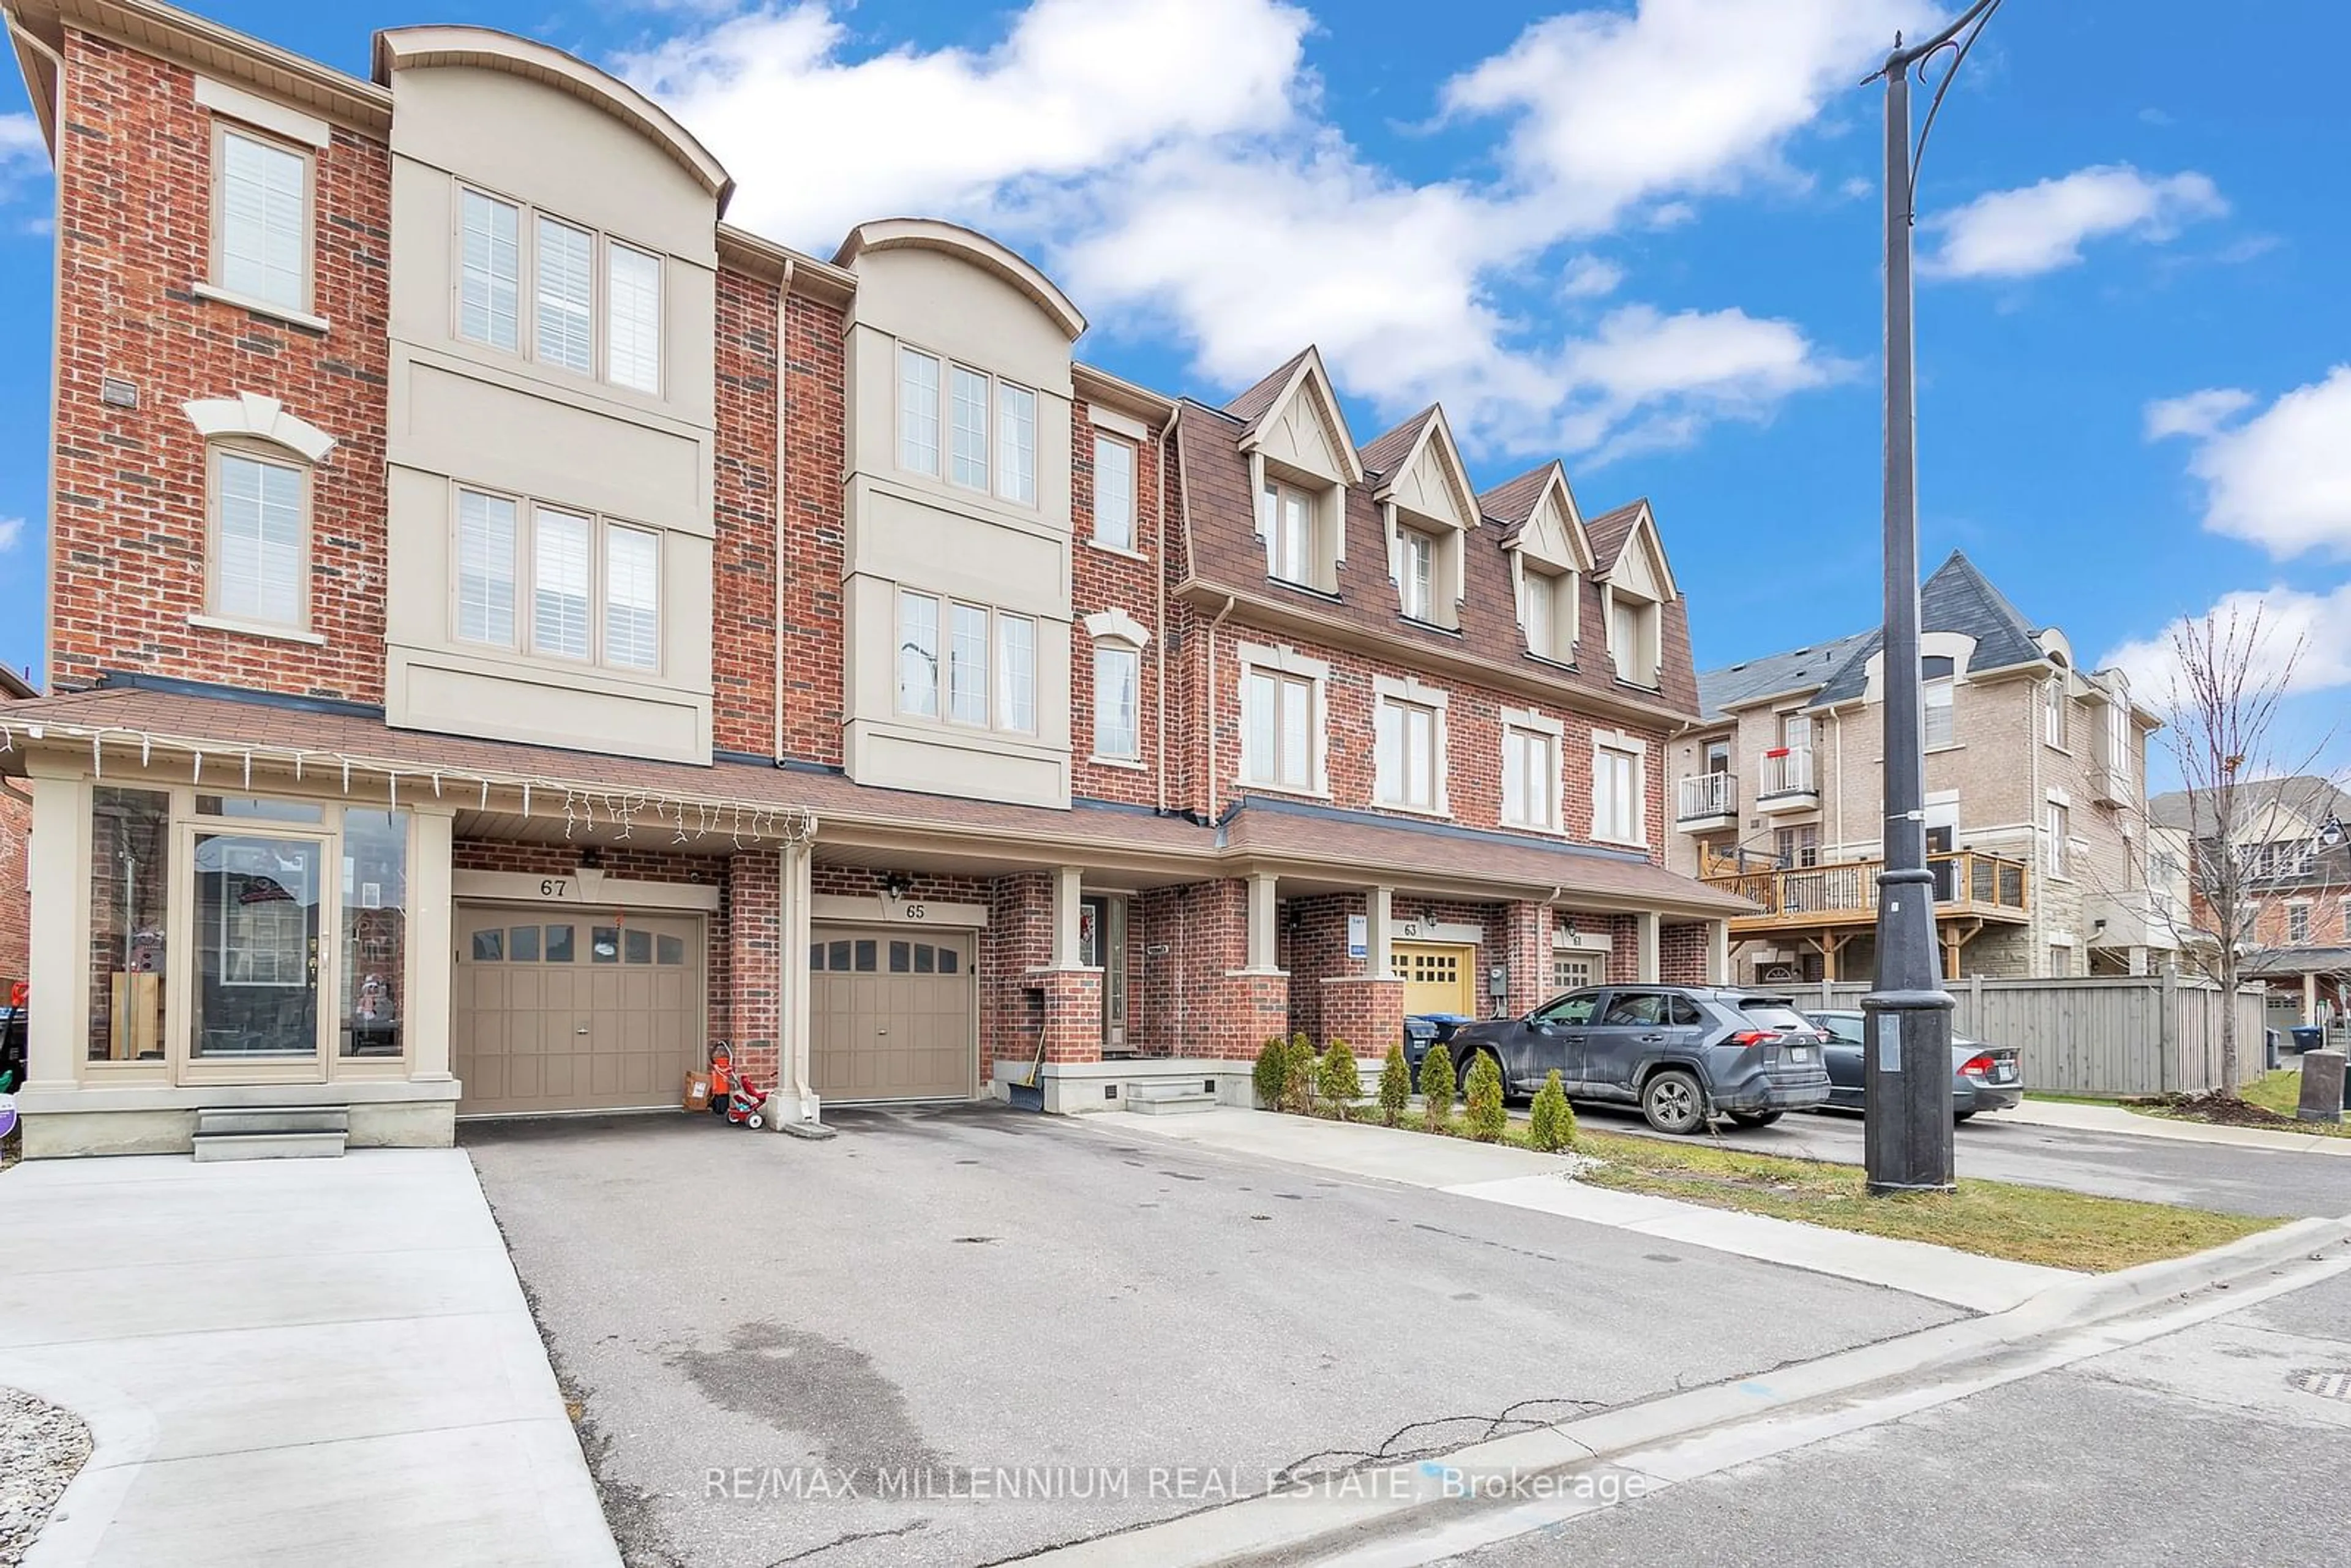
(1633,639)
(1416,573)
(1547,611)
(1292,543)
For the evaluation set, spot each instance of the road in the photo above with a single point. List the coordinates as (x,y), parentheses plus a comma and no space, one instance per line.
(2198,1445)
(1992,1148)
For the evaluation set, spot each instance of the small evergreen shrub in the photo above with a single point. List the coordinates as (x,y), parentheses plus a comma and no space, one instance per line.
(1436,1087)
(1395,1085)
(1488,1117)
(1342,1082)
(1303,1071)
(1271,1077)
(1550,1121)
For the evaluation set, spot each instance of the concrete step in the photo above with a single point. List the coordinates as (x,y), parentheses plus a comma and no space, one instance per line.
(231,1120)
(1166,1104)
(210,1146)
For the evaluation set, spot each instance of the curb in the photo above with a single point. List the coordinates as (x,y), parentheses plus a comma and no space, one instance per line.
(1280,1527)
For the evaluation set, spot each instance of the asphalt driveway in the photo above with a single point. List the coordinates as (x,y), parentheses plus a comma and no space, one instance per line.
(765,1333)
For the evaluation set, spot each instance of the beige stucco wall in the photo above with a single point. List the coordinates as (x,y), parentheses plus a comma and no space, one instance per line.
(922,533)
(464,413)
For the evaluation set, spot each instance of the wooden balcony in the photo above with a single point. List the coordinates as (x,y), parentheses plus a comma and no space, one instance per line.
(1969,886)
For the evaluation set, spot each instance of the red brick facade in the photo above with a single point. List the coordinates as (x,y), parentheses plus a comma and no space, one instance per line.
(813,532)
(1103,578)
(15,900)
(743,573)
(128,536)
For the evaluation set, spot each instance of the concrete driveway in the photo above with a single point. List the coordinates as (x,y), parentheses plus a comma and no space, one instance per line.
(760,1328)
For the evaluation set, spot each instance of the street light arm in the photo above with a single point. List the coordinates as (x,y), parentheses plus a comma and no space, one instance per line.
(1905,55)
(1979,13)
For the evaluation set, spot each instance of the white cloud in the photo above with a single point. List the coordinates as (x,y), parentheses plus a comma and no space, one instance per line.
(1589,277)
(2309,632)
(1614,111)
(24,155)
(2197,414)
(12,530)
(2041,228)
(1168,162)
(2281,479)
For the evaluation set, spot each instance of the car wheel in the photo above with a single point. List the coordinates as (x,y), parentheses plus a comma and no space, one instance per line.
(1755,1118)
(1961,1116)
(1673,1102)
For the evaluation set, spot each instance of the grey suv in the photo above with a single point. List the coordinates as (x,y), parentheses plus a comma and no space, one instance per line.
(1682,1053)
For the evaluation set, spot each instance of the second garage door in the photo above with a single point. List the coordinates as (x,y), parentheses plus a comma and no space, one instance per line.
(892,1015)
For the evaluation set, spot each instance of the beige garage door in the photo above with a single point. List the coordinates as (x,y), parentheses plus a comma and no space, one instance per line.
(892,1015)
(575,1012)
(1438,979)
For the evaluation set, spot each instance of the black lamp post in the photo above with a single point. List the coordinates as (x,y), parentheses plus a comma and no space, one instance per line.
(1907,1054)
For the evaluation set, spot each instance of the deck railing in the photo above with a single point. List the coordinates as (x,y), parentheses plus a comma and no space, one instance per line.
(1966,881)
(1708,795)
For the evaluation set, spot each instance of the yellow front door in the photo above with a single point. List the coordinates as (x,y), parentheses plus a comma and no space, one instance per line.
(1437,979)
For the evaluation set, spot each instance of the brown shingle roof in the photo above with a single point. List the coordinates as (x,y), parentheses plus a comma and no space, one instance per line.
(1258,402)
(1353,839)
(224,729)
(1513,500)
(1225,553)
(1382,455)
(1608,532)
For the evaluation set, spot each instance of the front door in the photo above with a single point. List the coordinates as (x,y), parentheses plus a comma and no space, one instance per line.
(1438,977)
(259,899)
(1102,943)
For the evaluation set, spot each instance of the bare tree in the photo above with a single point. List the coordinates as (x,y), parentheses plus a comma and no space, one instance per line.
(2249,833)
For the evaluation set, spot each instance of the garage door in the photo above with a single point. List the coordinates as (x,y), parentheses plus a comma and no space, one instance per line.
(553,1012)
(1437,979)
(892,1015)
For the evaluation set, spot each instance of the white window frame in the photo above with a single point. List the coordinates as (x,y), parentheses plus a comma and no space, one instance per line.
(1002,683)
(1281,546)
(1286,666)
(1539,584)
(1124,537)
(216,453)
(1545,737)
(2057,825)
(1006,469)
(1946,687)
(1608,745)
(513,577)
(2056,726)
(529,514)
(603,245)
(903,643)
(1016,673)
(2118,741)
(2304,909)
(1416,550)
(305,242)
(1393,789)
(1647,625)
(1111,652)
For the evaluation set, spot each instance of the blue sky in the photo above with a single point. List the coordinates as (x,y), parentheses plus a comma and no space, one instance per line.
(1639,236)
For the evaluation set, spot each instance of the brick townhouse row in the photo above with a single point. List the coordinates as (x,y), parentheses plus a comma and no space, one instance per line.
(510,629)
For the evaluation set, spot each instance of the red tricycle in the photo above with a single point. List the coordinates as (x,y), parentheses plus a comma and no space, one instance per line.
(732,1095)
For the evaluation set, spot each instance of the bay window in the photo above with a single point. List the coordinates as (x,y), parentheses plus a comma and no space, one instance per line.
(557,583)
(918,413)
(988,426)
(563,327)
(1016,444)
(972,635)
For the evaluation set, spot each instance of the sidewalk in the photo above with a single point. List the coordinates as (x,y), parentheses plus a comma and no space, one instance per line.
(318,1361)
(1524,1179)
(2083,1118)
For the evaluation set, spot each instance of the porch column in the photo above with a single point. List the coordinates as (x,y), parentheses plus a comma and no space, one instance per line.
(793,1025)
(58,860)
(2309,997)
(1648,967)
(1718,953)
(1379,932)
(429,945)
(1261,949)
(1069,883)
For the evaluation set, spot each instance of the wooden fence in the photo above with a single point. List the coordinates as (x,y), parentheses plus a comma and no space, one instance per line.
(2097,1034)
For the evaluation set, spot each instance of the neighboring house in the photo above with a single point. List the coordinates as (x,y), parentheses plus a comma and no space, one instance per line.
(15,858)
(2294,874)
(511,629)
(2035,798)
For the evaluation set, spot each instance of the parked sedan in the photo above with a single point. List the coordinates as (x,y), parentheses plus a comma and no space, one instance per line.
(1983,1077)
(1684,1054)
